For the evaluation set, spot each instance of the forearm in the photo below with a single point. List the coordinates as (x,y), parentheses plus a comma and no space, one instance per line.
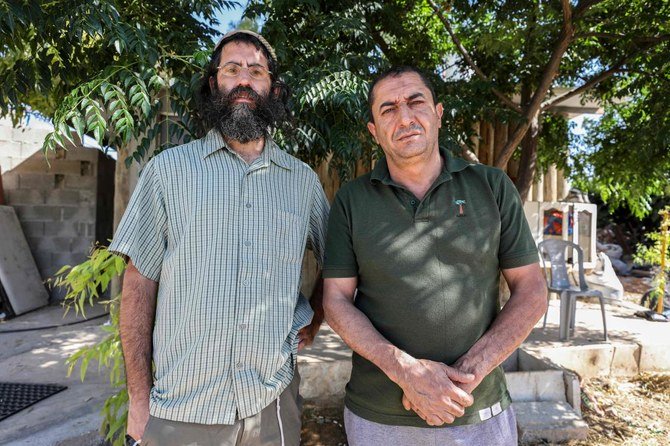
(316,301)
(527,304)
(138,306)
(358,332)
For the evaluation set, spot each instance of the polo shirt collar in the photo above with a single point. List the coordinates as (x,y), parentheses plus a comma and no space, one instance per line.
(213,142)
(451,165)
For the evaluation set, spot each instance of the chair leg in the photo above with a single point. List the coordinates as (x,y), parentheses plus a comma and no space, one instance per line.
(544,324)
(564,320)
(602,309)
(573,311)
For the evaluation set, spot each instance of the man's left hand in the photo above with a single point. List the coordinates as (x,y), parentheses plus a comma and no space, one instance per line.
(306,334)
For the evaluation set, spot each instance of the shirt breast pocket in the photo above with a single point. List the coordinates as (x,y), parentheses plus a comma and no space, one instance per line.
(289,234)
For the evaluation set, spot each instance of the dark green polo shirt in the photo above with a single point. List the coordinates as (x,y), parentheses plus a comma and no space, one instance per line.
(428,273)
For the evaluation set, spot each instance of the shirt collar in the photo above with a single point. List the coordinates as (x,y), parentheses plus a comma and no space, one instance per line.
(451,165)
(213,142)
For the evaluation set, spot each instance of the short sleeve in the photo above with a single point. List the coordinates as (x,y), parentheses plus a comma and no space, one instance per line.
(142,232)
(517,247)
(340,258)
(318,221)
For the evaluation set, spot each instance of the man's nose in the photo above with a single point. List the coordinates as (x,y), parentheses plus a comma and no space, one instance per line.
(405,115)
(244,78)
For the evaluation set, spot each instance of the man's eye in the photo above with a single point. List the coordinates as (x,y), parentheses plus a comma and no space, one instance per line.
(231,70)
(256,72)
(386,111)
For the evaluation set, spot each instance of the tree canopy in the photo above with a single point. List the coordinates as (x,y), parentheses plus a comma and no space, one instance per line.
(101,68)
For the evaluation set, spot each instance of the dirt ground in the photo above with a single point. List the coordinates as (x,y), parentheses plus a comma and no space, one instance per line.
(621,411)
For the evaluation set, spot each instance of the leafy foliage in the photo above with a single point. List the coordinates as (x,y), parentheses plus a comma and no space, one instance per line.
(84,284)
(101,68)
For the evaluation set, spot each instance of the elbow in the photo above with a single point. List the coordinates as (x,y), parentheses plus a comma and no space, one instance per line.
(541,300)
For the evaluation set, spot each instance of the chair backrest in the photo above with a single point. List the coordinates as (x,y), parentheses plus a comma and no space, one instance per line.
(554,250)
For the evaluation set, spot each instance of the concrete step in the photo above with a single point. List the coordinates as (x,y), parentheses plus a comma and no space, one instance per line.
(324,367)
(551,421)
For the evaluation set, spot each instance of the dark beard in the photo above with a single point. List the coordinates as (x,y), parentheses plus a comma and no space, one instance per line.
(243,122)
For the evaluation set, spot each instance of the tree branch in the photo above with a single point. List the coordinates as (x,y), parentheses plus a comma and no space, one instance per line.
(533,109)
(466,56)
(640,39)
(596,79)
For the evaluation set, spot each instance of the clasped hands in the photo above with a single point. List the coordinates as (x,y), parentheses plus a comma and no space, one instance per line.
(436,392)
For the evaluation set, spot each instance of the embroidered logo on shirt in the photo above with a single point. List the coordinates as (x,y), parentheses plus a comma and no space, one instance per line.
(461,207)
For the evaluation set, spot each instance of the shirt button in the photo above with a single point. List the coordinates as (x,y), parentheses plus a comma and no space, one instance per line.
(413,202)
(245,283)
(243,326)
(247,243)
(248,205)
(239,366)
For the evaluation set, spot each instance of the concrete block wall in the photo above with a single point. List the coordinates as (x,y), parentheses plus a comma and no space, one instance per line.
(54,196)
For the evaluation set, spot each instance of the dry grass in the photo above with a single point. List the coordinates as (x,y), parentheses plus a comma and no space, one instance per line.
(627,411)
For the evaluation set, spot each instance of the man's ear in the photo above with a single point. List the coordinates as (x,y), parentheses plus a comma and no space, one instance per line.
(212,84)
(373,130)
(440,111)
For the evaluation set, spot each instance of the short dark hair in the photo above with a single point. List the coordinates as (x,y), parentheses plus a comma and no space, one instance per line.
(395,72)
(278,87)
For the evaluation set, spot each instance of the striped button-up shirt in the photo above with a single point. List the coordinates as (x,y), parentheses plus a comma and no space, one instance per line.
(225,241)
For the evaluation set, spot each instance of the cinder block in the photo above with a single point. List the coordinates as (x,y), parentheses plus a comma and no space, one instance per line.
(63,197)
(86,229)
(29,134)
(78,213)
(36,181)
(61,229)
(87,168)
(82,245)
(10,180)
(31,149)
(68,258)
(654,358)
(26,196)
(5,130)
(82,154)
(11,149)
(87,197)
(32,228)
(56,244)
(6,163)
(79,182)
(38,213)
(625,359)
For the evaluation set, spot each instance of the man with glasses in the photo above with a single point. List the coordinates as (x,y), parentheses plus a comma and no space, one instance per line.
(215,234)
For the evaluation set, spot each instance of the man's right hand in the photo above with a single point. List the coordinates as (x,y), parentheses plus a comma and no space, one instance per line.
(138,417)
(430,390)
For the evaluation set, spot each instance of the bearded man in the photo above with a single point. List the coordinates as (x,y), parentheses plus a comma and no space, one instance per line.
(215,234)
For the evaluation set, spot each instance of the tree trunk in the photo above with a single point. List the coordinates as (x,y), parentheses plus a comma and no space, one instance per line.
(121,198)
(528,161)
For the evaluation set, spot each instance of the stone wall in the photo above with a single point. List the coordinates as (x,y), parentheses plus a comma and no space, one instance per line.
(55,201)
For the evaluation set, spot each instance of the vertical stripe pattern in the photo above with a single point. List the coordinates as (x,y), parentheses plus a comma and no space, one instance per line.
(225,241)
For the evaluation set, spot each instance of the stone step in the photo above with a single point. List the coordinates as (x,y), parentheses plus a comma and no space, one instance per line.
(540,385)
(551,421)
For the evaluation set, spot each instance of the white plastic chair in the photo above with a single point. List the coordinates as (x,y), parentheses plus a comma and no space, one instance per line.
(558,281)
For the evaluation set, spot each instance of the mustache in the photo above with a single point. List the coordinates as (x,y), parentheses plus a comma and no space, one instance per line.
(407,130)
(243,92)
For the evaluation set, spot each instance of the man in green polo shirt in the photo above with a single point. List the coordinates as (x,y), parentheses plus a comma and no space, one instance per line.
(215,233)
(413,259)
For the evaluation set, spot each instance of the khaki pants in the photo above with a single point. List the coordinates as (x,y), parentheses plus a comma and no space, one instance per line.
(276,425)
